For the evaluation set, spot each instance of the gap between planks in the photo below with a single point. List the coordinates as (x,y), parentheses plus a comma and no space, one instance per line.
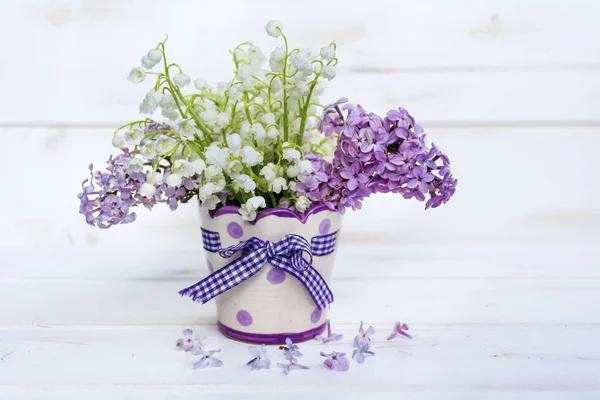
(344,326)
(530,124)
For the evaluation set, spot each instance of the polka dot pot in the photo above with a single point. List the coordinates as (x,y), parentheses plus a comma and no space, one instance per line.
(271,305)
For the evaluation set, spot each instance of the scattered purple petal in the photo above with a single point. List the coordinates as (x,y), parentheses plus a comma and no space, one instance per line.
(287,367)
(399,329)
(331,337)
(206,358)
(260,359)
(364,336)
(291,350)
(337,361)
(189,341)
(361,350)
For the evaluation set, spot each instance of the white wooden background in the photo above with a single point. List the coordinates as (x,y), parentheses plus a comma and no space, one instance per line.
(500,286)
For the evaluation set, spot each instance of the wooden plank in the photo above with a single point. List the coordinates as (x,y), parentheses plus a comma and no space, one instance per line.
(432,33)
(406,262)
(505,61)
(514,98)
(512,188)
(458,362)
(191,392)
(432,301)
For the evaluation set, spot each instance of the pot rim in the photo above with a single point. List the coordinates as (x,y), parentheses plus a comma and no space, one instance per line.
(277,212)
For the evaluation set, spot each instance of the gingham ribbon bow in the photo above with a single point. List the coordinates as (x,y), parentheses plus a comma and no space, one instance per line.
(287,255)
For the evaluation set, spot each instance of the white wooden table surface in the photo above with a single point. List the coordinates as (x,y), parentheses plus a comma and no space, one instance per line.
(501,287)
(489,321)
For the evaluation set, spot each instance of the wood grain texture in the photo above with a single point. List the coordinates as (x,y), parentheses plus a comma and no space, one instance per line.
(498,61)
(467,299)
(501,287)
(457,361)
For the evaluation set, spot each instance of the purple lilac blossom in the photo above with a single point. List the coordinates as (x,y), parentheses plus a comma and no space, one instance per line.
(206,358)
(189,341)
(337,361)
(291,352)
(332,118)
(260,359)
(364,336)
(108,197)
(376,155)
(361,350)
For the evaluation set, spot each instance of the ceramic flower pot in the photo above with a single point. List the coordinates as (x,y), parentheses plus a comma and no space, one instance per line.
(272,304)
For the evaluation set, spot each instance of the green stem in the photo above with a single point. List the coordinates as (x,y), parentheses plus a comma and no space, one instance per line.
(305,111)
(285,105)
(273,199)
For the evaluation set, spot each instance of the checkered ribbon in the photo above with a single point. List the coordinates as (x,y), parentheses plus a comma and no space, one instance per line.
(320,245)
(211,241)
(287,255)
(323,245)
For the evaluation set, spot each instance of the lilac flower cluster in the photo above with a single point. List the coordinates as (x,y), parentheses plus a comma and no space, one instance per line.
(108,197)
(376,155)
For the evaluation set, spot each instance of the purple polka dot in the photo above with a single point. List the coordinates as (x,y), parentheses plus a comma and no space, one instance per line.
(235,230)
(325,226)
(316,315)
(244,318)
(210,267)
(276,276)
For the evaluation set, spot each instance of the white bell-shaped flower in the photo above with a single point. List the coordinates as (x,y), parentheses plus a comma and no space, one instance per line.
(148,149)
(234,141)
(250,157)
(328,72)
(200,84)
(197,166)
(248,210)
(164,144)
(244,183)
(268,172)
(327,53)
(174,180)
(182,167)
(136,75)
(181,80)
(302,204)
(135,165)
(134,137)
(118,140)
(300,62)
(155,55)
(274,28)
(147,190)
(291,154)
(278,185)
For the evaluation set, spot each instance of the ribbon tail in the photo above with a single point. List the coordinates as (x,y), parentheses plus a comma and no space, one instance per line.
(314,283)
(225,278)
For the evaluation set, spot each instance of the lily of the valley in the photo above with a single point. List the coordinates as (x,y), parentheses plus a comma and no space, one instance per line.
(136,75)
(248,210)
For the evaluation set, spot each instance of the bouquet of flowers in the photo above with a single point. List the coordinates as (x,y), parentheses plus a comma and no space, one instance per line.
(261,140)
